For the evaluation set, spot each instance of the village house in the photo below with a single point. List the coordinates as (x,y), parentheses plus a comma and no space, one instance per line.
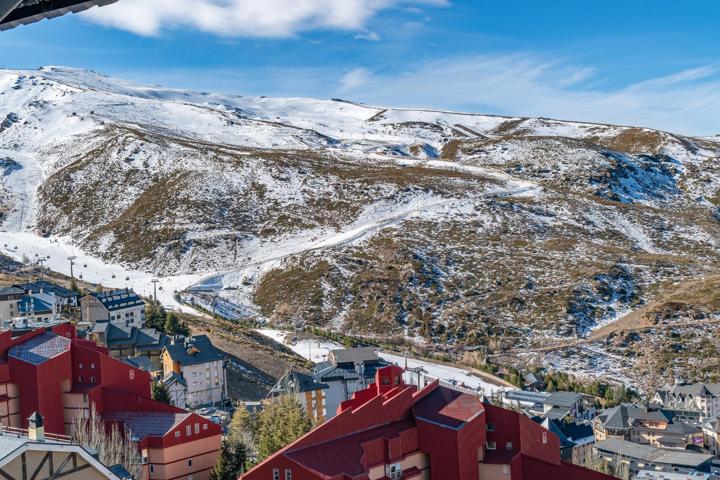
(346,371)
(202,365)
(303,387)
(9,302)
(52,293)
(646,457)
(35,309)
(130,342)
(698,397)
(119,307)
(576,438)
(645,425)
(177,388)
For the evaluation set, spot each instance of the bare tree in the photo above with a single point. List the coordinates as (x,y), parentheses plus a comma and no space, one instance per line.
(115,447)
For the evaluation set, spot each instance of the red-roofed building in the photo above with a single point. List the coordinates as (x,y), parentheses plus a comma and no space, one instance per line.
(54,373)
(393,431)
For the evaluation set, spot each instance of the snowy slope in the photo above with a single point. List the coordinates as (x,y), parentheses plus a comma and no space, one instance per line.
(437,226)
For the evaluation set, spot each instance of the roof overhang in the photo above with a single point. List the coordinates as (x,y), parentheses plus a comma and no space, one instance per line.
(21,12)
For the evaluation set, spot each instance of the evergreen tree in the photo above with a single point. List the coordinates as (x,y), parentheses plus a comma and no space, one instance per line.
(172,325)
(155,317)
(231,462)
(160,392)
(281,421)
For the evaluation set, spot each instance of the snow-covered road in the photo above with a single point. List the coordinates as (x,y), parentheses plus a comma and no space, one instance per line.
(317,351)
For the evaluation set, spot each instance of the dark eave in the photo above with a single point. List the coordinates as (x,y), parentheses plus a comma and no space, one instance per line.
(21,12)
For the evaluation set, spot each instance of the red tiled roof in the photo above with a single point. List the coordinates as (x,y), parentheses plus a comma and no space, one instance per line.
(344,455)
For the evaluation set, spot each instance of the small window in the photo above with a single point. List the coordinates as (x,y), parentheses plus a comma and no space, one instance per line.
(80,365)
(490,427)
(92,366)
(132,374)
(490,445)
(544,438)
(177,433)
(80,379)
(205,426)
(508,445)
(276,474)
(197,428)
(190,462)
(152,468)
(92,379)
(288,474)
(188,430)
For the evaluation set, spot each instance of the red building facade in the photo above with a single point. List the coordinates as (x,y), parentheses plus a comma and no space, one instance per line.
(54,373)
(393,431)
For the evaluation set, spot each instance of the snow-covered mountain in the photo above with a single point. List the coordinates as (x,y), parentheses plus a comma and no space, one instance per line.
(448,226)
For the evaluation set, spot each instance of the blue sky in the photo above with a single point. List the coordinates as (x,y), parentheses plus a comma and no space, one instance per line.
(641,62)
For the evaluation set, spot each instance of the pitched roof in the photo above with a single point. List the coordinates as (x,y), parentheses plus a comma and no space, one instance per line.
(118,299)
(623,416)
(344,456)
(194,350)
(296,382)
(562,399)
(447,407)
(680,458)
(142,362)
(33,304)
(147,424)
(11,291)
(173,377)
(40,348)
(46,287)
(354,355)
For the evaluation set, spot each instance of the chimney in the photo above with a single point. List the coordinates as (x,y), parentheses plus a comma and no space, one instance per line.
(36,430)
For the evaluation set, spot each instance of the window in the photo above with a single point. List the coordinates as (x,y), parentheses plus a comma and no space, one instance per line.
(131,373)
(92,366)
(190,462)
(508,445)
(204,426)
(544,438)
(79,365)
(288,474)
(92,379)
(490,445)
(188,430)
(490,427)
(506,470)
(152,468)
(177,433)
(394,471)
(197,428)
(276,474)
(80,379)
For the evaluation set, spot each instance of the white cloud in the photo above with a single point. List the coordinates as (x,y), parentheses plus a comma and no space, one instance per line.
(370,36)
(354,79)
(243,18)
(532,85)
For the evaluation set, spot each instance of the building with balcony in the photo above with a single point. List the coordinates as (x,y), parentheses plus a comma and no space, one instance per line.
(201,365)
(120,307)
(391,430)
(60,376)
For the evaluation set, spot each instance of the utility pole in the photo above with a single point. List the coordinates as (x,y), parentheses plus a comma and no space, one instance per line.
(40,262)
(155,281)
(72,262)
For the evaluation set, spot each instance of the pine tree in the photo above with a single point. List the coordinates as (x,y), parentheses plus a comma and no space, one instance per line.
(281,421)
(231,462)
(160,392)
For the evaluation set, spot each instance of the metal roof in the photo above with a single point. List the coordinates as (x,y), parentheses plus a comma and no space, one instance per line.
(118,299)
(194,351)
(22,12)
(647,453)
(523,396)
(354,355)
(147,424)
(41,348)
